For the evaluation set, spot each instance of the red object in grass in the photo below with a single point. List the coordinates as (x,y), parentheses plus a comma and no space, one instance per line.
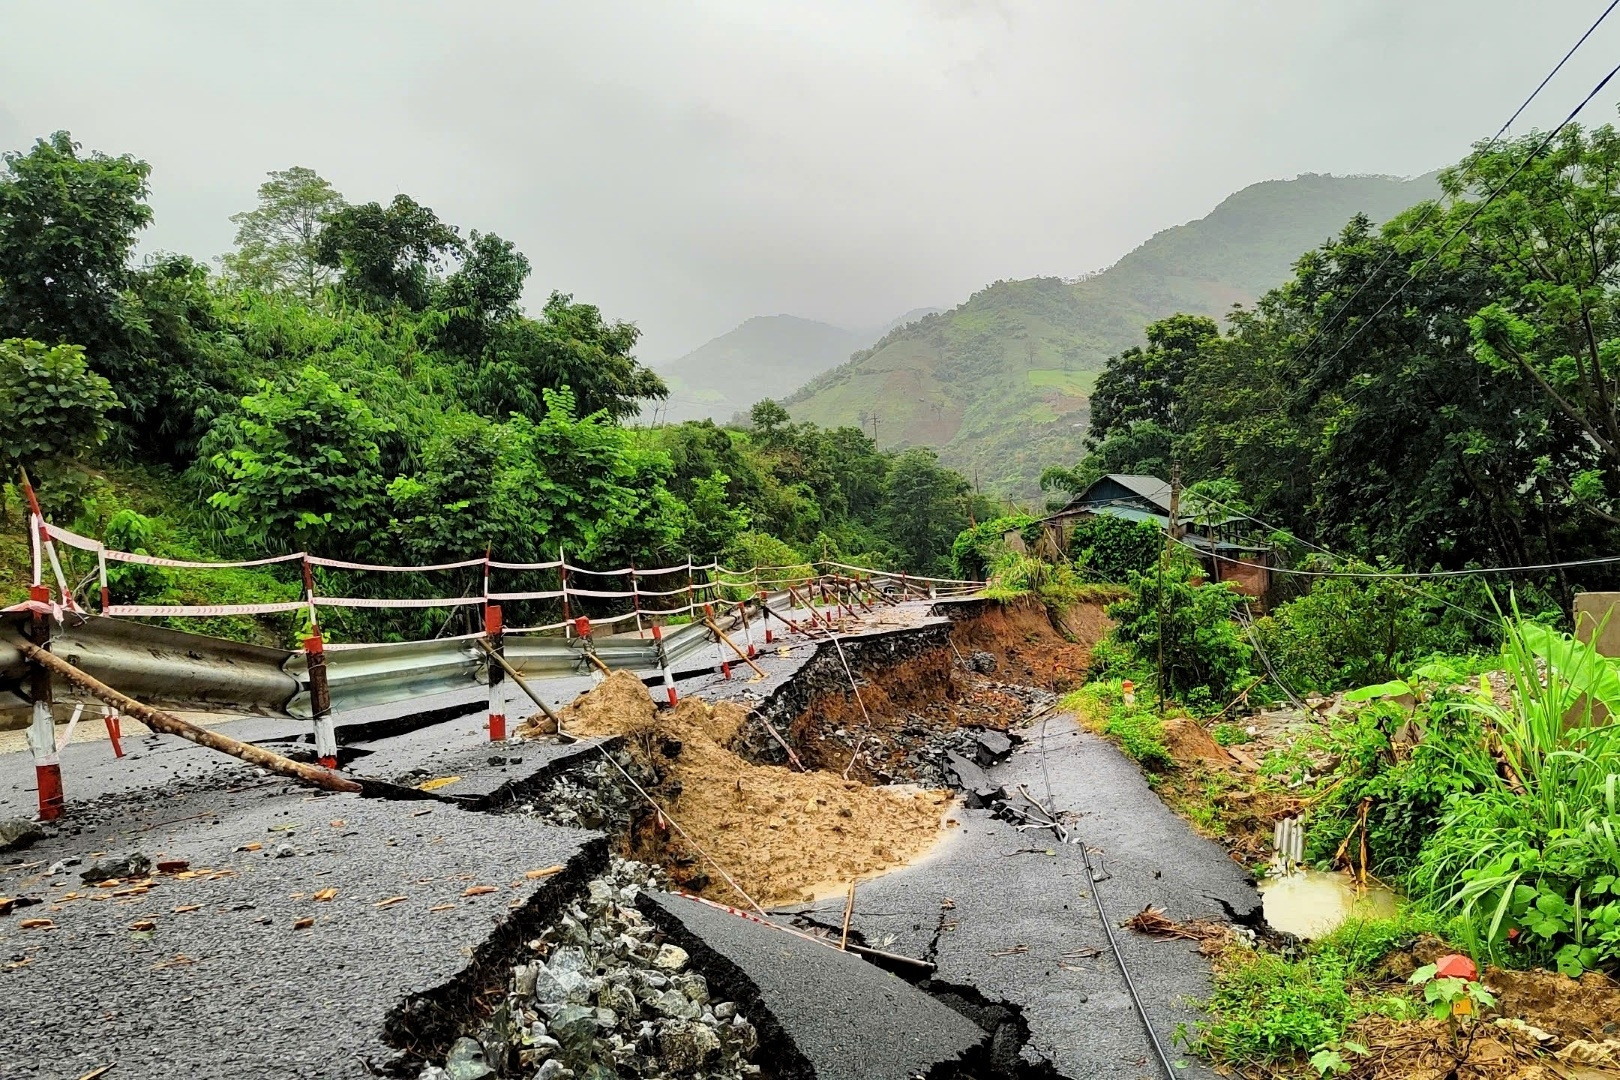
(1456,966)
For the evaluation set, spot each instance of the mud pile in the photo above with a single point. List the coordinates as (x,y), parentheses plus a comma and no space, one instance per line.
(782,835)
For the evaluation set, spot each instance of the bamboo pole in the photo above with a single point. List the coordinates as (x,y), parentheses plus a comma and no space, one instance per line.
(523,684)
(169,724)
(740,654)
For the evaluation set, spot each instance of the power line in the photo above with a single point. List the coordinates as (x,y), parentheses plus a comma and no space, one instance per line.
(1324,326)
(1479,209)
(1415,575)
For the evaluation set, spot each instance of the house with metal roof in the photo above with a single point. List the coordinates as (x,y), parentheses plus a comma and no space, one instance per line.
(1136,497)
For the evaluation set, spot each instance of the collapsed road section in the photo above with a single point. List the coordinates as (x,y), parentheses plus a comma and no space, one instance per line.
(657,892)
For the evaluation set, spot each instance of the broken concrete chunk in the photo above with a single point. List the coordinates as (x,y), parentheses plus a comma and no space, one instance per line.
(553,1069)
(687,1047)
(574,1028)
(993,747)
(466,1061)
(981,661)
(670,958)
(130,866)
(974,782)
(18,833)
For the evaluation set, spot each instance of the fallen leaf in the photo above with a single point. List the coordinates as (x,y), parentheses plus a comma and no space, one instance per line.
(286,826)
(338,823)
(442,907)
(184,909)
(99,1070)
(37,924)
(143,925)
(436,783)
(536,875)
(15,964)
(419,813)
(254,846)
(477,890)
(295,896)
(304,924)
(179,960)
(390,902)
(326,894)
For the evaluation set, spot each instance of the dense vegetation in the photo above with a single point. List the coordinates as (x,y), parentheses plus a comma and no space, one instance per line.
(360,380)
(999,383)
(1473,421)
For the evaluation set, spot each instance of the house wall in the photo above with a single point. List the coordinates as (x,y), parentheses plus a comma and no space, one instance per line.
(1251,580)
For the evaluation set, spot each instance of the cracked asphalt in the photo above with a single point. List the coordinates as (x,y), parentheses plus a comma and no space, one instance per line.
(1010,912)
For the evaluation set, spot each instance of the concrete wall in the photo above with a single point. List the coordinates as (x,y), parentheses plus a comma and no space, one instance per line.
(1591,611)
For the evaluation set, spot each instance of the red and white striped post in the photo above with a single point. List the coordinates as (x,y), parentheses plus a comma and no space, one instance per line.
(765,613)
(115,733)
(663,660)
(320,692)
(496,680)
(582,627)
(719,650)
(42,729)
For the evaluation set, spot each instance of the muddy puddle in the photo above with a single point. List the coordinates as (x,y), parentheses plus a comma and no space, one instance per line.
(1310,903)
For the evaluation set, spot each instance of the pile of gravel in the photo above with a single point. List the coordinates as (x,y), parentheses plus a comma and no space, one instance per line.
(601,1000)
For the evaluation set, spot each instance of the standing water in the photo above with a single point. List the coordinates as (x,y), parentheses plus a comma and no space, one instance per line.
(1310,903)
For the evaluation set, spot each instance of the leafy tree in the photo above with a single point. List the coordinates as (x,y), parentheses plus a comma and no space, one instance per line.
(483,293)
(924,508)
(387,255)
(1144,384)
(1206,657)
(278,242)
(716,521)
(52,406)
(1143,447)
(300,466)
(768,417)
(67,229)
(571,346)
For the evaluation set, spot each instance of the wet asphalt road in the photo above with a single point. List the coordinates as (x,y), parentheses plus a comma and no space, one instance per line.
(225,984)
(1010,912)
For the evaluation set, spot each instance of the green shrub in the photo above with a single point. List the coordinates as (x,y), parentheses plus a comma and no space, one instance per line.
(1205,656)
(1531,860)
(976,548)
(1112,548)
(1270,1008)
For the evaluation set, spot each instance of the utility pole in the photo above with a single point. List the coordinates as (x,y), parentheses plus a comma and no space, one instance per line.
(1172,535)
(874,425)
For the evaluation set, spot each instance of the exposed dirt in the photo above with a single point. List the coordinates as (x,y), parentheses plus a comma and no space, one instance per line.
(1191,745)
(926,683)
(778,832)
(1571,1009)
(1027,647)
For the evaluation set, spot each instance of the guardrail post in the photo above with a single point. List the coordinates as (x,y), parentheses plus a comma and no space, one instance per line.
(663,660)
(719,650)
(497,674)
(42,729)
(748,628)
(582,627)
(764,613)
(320,699)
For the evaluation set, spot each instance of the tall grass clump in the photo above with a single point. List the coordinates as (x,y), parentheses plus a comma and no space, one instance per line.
(1531,860)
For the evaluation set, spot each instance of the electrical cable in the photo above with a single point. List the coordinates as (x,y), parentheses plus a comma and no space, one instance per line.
(1479,209)
(1416,575)
(1062,834)
(1428,212)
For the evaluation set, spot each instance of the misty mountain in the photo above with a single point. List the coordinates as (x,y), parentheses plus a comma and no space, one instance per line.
(769,356)
(998,384)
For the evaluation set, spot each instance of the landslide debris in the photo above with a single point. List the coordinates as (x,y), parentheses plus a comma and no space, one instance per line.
(783,835)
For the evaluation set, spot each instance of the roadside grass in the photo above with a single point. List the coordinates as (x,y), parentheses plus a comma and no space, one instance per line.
(1135,728)
(1274,1010)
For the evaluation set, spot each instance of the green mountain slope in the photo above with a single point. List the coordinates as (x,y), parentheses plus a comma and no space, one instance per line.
(766,357)
(999,383)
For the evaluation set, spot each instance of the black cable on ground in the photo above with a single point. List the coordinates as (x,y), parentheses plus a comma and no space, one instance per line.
(1062,834)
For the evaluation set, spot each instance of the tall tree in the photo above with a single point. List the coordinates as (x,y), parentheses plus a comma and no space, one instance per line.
(67,229)
(278,242)
(388,255)
(1145,383)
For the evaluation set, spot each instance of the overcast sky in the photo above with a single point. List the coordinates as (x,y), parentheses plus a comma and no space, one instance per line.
(687,165)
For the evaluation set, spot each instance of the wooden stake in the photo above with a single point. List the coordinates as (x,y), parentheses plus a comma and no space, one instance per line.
(169,724)
(740,654)
(849,910)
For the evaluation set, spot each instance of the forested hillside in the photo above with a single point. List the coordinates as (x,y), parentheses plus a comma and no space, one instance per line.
(999,383)
(361,381)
